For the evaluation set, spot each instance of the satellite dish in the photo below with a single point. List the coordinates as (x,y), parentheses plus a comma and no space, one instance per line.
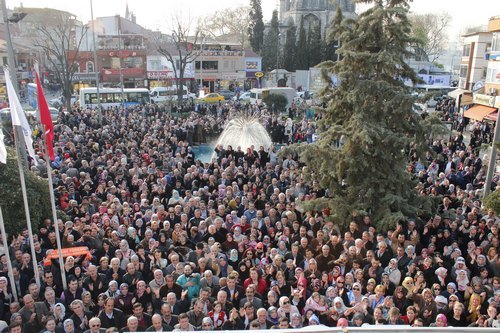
(478,85)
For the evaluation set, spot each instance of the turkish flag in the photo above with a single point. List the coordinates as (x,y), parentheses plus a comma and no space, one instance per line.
(45,118)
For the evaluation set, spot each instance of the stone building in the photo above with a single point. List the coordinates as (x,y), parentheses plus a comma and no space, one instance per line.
(313,12)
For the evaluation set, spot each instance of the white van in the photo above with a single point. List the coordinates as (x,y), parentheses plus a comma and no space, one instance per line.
(257,95)
(164,94)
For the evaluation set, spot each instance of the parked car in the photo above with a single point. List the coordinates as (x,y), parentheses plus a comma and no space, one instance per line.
(211,98)
(54,113)
(55,103)
(244,97)
(227,94)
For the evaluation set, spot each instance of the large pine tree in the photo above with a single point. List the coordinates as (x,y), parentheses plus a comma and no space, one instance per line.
(271,44)
(290,48)
(302,55)
(256,26)
(331,43)
(371,110)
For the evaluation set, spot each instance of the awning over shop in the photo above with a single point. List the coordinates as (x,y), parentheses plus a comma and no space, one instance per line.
(478,112)
(492,116)
(455,93)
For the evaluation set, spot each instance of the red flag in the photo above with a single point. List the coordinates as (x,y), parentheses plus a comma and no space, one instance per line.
(45,118)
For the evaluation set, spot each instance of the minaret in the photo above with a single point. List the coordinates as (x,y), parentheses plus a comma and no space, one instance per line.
(127,13)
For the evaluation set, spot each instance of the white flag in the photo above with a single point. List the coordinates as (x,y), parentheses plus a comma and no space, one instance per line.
(18,116)
(3,151)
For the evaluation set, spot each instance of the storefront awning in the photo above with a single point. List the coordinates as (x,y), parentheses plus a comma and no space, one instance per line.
(478,112)
(492,116)
(455,93)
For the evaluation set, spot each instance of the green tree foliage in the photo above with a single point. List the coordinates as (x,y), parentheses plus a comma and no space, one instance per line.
(493,201)
(371,110)
(315,43)
(331,43)
(256,26)
(290,48)
(279,101)
(271,44)
(302,55)
(11,199)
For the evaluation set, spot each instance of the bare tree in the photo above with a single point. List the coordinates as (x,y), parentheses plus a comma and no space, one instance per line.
(230,21)
(56,41)
(431,32)
(179,49)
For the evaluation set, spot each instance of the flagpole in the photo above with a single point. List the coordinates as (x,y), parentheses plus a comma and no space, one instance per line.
(12,74)
(54,216)
(26,210)
(45,116)
(13,287)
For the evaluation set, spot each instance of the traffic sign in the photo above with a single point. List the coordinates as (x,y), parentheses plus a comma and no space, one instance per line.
(259,74)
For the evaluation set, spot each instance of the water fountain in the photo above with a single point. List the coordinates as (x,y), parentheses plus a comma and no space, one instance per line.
(244,130)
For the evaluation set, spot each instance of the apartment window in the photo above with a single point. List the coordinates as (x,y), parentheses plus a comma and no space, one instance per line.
(495,42)
(466,50)
(155,65)
(226,64)
(90,67)
(207,65)
(463,71)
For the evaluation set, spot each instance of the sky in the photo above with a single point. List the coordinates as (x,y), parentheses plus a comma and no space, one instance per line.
(156,14)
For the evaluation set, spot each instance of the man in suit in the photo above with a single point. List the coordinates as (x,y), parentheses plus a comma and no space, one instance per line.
(143,319)
(158,325)
(204,297)
(112,317)
(222,299)
(32,312)
(95,326)
(168,318)
(250,297)
(233,290)
(50,299)
(133,325)
(80,317)
(264,323)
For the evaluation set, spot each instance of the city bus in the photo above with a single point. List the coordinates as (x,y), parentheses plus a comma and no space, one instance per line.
(111,97)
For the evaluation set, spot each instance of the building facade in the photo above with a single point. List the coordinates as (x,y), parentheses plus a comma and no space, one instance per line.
(474,63)
(314,12)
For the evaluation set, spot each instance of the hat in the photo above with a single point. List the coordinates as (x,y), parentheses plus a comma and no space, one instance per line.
(298,269)
(260,245)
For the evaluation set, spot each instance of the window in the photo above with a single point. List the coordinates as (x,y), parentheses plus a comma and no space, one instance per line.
(466,50)
(495,42)
(463,71)
(207,65)
(155,65)
(90,67)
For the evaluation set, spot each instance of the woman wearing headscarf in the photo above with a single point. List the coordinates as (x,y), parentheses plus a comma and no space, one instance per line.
(286,309)
(441,321)
(296,321)
(175,199)
(59,313)
(69,326)
(233,259)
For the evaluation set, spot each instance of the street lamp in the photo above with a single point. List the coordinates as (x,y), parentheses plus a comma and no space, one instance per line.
(277,59)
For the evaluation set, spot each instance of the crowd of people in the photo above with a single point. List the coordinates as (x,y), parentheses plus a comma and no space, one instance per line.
(176,244)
